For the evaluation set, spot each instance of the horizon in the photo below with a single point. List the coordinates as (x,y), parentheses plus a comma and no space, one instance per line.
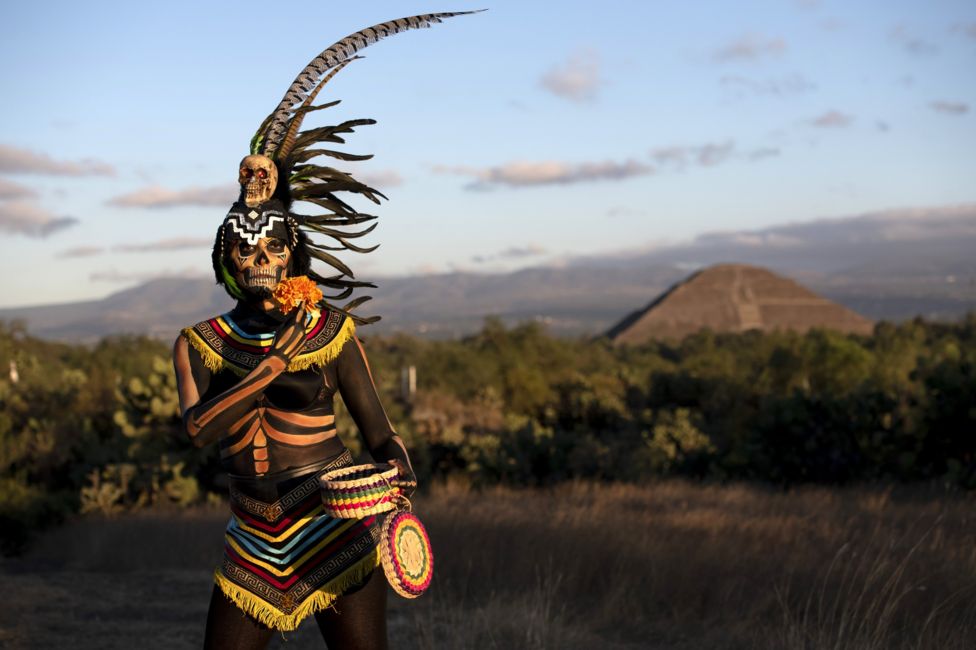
(554,135)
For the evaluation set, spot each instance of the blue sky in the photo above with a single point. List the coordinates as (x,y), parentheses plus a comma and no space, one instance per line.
(524,135)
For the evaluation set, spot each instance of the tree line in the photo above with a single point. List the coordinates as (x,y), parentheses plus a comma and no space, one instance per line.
(97,428)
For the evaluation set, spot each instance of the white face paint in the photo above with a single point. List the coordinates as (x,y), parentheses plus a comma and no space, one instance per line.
(258,177)
(258,268)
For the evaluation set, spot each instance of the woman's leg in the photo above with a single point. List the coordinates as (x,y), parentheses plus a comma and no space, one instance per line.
(230,628)
(358,619)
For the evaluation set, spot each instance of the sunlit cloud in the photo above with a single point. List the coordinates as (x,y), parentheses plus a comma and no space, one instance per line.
(832,120)
(513,253)
(24,218)
(173,244)
(750,48)
(23,161)
(528,174)
(952,108)
(707,155)
(380,178)
(115,275)
(778,86)
(82,251)
(577,79)
(10,190)
(159,197)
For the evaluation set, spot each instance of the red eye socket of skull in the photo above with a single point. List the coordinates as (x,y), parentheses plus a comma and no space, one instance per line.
(262,173)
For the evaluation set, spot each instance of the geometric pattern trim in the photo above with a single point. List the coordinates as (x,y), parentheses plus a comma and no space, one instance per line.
(274,511)
(292,560)
(223,345)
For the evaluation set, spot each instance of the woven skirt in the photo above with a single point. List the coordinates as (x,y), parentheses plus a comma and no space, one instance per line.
(284,558)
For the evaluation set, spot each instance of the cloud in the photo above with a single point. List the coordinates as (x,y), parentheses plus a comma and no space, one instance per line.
(9,190)
(160,197)
(174,244)
(82,251)
(767,239)
(577,79)
(780,86)
(528,174)
(951,108)
(115,275)
(23,218)
(832,119)
(750,48)
(763,153)
(706,155)
(22,161)
(513,253)
(912,43)
(380,178)
(623,211)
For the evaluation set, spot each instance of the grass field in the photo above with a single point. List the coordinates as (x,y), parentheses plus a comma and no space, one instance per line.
(670,565)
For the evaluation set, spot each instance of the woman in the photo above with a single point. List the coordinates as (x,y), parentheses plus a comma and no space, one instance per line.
(260,383)
(284,558)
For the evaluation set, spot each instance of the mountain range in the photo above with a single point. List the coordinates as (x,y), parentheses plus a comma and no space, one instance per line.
(891,265)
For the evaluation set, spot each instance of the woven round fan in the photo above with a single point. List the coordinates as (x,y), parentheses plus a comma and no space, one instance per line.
(408,560)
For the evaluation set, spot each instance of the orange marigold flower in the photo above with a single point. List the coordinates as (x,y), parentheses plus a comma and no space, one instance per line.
(292,292)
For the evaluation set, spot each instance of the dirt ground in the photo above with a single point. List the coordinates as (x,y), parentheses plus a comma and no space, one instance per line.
(669,566)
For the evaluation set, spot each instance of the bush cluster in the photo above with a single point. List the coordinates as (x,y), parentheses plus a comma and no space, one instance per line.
(97,429)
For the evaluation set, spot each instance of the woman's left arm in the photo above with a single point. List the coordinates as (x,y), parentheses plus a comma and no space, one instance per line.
(360,397)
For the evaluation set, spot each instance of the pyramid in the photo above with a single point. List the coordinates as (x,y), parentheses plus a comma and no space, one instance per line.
(735,298)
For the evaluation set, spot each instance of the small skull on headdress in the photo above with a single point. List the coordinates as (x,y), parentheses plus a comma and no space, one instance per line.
(258,178)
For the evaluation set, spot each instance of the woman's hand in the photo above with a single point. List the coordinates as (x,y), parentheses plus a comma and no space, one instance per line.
(406,480)
(290,337)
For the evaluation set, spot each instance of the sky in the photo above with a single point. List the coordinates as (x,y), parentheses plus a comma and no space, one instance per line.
(525,135)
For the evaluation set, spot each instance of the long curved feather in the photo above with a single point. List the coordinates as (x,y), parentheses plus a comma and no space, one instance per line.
(296,121)
(332,56)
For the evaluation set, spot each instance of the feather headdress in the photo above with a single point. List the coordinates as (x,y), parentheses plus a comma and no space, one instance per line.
(295,154)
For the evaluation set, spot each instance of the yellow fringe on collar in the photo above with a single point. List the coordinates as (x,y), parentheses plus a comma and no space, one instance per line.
(323,598)
(327,352)
(215,363)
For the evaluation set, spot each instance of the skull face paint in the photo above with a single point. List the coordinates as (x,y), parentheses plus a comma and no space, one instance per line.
(258,268)
(258,177)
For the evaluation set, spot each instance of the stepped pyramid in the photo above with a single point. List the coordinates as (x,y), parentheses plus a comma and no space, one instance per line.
(735,298)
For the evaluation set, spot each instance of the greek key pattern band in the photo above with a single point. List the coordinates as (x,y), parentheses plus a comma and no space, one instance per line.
(271,512)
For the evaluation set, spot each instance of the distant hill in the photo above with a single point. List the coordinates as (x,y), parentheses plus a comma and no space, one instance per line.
(735,298)
(892,265)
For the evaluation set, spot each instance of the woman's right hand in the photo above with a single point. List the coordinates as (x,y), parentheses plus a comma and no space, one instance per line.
(290,337)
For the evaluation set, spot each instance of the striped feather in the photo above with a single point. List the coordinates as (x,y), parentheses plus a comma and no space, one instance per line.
(296,121)
(271,137)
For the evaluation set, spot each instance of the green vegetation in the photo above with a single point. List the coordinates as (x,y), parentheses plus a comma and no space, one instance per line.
(98,430)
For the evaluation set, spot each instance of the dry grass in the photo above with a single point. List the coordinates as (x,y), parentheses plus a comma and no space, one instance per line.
(672,565)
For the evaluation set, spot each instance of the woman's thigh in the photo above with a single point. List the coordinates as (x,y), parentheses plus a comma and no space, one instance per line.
(358,619)
(229,627)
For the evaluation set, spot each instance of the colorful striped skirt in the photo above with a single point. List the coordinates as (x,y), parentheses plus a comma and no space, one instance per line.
(284,558)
